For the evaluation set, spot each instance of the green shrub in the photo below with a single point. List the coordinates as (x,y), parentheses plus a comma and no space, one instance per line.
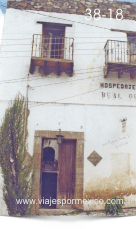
(15,161)
(114,206)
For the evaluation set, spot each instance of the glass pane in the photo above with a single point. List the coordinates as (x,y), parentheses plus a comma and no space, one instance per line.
(132,44)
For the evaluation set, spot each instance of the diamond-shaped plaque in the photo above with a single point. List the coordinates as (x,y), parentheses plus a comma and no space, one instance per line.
(94,158)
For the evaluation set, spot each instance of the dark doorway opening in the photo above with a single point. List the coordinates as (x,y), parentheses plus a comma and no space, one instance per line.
(49,189)
(48,155)
(49,178)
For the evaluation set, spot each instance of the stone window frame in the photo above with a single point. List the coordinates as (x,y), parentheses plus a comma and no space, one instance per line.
(79,179)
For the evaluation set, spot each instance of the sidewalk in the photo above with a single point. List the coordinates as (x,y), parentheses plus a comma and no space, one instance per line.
(75,212)
(126,212)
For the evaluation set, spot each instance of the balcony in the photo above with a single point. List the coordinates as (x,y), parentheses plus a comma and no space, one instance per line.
(54,54)
(120,57)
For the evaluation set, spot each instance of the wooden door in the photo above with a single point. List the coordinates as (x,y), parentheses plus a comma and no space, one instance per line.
(53,41)
(66,172)
(132,49)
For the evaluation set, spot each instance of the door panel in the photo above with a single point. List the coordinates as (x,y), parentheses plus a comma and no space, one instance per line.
(66,171)
(53,42)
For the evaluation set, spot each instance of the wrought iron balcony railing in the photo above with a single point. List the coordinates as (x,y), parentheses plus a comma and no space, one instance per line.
(120,52)
(120,56)
(50,166)
(52,47)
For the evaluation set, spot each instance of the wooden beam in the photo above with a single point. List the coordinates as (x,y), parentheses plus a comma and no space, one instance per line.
(71,70)
(58,69)
(124,31)
(32,67)
(120,73)
(52,59)
(54,24)
(132,74)
(105,70)
(45,67)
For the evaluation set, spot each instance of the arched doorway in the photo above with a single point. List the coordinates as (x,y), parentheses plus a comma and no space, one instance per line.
(78,151)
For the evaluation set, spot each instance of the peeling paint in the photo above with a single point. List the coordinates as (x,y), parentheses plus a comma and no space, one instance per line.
(105,188)
(119,183)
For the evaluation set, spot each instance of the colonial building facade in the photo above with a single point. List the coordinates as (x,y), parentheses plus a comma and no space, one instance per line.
(75,62)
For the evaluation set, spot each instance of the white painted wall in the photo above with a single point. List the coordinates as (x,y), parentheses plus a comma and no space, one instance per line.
(75,104)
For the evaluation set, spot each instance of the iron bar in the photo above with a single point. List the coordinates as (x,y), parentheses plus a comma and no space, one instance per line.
(116,51)
(121,51)
(52,47)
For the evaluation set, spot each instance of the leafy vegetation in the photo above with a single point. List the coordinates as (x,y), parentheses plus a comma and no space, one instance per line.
(15,162)
(114,206)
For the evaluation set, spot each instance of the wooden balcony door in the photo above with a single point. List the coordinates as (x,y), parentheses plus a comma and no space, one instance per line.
(53,42)
(66,172)
(132,48)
